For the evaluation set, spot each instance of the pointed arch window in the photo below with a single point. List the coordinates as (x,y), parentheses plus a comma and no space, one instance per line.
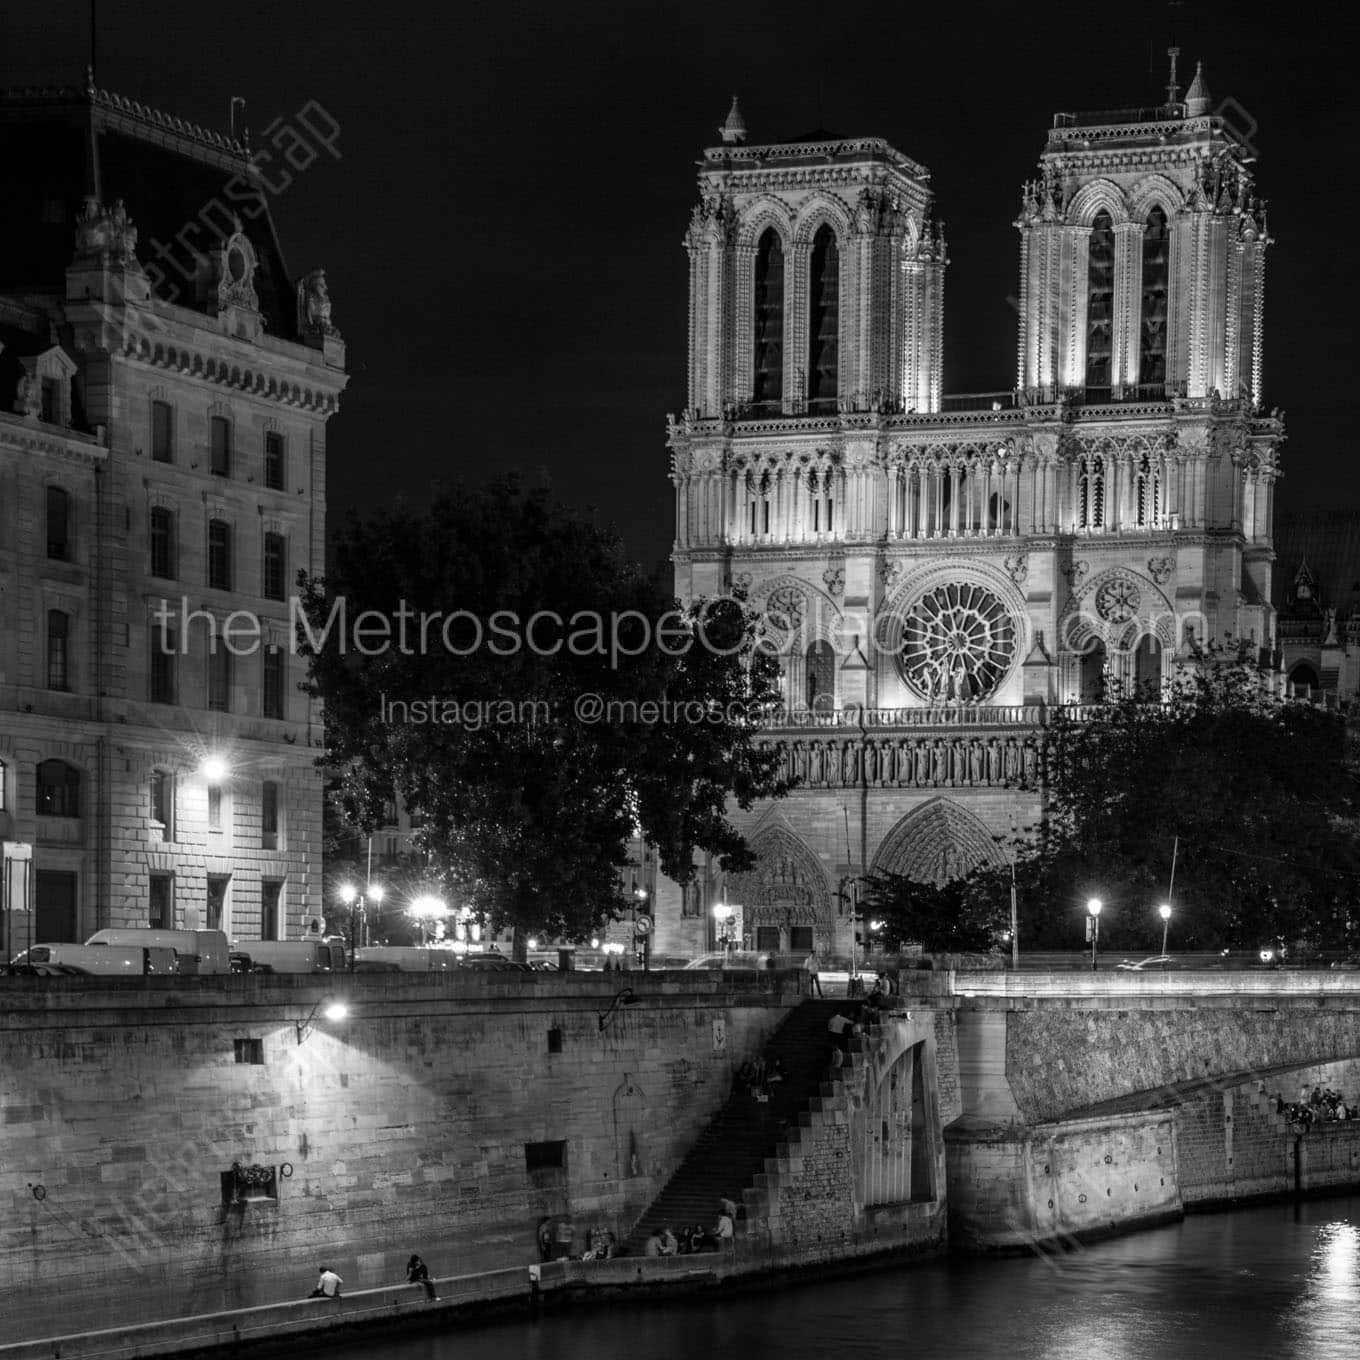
(1100,302)
(821,677)
(1148,492)
(824,288)
(1091,492)
(769,321)
(1156,262)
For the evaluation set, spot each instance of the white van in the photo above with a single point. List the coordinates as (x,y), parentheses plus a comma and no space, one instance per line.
(199,951)
(105,960)
(394,958)
(293,956)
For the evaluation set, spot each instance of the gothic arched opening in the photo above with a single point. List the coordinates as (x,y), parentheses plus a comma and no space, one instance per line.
(1100,304)
(1091,673)
(824,286)
(1156,268)
(768,389)
(821,677)
(1147,667)
(1304,677)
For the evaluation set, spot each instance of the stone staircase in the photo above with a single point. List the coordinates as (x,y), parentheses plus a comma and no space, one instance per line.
(729,1159)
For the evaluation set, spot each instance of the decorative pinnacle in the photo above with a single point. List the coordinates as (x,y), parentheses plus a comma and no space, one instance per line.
(1172,87)
(733,131)
(1197,100)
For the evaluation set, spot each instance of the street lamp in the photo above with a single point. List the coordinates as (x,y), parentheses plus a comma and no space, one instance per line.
(1093,928)
(427,909)
(1164,911)
(722,914)
(356,901)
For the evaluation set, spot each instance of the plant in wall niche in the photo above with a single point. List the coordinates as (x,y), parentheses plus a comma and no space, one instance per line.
(254,1182)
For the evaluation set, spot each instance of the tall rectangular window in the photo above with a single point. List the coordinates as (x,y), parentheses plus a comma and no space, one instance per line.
(1152,332)
(58,524)
(768,321)
(219,677)
(269,815)
(275,566)
(271,890)
(214,808)
(162,804)
(220,435)
(1100,303)
(823,322)
(273,460)
(161,667)
(162,432)
(58,652)
(275,663)
(219,554)
(162,537)
(161,902)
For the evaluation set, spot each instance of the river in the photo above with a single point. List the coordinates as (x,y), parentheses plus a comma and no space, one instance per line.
(1280,1281)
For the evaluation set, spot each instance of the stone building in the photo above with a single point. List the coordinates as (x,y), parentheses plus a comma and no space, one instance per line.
(1317,596)
(164,392)
(938,572)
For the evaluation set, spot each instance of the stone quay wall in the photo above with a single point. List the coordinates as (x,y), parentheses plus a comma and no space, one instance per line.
(455,1109)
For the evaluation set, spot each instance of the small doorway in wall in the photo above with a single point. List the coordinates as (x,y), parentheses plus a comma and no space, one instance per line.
(1147,668)
(1304,678)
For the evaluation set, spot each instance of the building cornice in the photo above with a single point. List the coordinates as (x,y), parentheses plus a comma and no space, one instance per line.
(32,437)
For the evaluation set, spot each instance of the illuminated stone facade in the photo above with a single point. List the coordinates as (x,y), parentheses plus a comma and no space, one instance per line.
(163,408)
(938,573)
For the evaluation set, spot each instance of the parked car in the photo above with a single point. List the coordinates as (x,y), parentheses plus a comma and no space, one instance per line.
(1157,963)
(494,963)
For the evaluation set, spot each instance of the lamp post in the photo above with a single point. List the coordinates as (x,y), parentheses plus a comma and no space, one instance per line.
(1093,929)
(357,901)
(1164,911)
(722,914)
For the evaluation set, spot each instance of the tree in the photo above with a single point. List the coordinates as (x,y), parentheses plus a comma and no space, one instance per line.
(1259,793)
(532,696)
(962,916)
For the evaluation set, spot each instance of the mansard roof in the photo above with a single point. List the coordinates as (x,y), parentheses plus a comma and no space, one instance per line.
(180,184)
(1328,542)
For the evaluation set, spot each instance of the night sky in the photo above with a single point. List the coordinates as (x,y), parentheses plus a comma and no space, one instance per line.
(502,231)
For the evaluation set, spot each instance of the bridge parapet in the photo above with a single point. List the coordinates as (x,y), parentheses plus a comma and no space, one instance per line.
(1119,987)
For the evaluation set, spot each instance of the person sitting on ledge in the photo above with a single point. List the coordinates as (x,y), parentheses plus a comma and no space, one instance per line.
(724,1231)
(417,1272)
(669,1245)
(776,1072)
(327,1285)
(653,1247)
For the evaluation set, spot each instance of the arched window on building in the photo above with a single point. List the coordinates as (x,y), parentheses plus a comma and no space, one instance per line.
(1147,668)
(1304,678)
(824,288)
(1100,304)
(1148,492)
(1092,674)
(1091,492)
(768,389)
(1156,261)
(58,789)
(821,677)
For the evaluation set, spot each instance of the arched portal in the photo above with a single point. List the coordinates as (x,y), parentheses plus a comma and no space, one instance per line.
(894,1162)
(1304,677)
(786,899)
(937,842)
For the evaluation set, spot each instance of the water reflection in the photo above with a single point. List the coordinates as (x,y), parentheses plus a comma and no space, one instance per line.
(1277,1282)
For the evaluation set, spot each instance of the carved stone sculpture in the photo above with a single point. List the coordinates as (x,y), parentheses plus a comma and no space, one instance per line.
(28,397)
(314,305)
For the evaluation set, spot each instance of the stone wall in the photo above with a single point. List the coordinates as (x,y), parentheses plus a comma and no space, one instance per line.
(1015,1188)
(448,1114)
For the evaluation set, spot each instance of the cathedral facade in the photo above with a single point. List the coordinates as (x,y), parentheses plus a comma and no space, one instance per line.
(164,393)
(936,573)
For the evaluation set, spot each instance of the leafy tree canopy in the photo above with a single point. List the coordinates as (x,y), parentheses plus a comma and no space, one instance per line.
(494,661)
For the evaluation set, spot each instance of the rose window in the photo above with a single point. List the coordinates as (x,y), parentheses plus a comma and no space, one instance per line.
(1117,601)
(784,609)
(958,642)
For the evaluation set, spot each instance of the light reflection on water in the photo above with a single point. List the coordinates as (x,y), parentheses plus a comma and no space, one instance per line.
(1276,1282)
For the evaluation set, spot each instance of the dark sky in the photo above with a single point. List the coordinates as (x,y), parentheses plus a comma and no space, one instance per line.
(502,230)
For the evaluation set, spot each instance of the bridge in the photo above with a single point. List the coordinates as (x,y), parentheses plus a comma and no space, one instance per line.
(1091,1102)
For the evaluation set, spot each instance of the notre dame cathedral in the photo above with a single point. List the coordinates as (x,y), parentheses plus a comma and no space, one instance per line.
(937,573)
